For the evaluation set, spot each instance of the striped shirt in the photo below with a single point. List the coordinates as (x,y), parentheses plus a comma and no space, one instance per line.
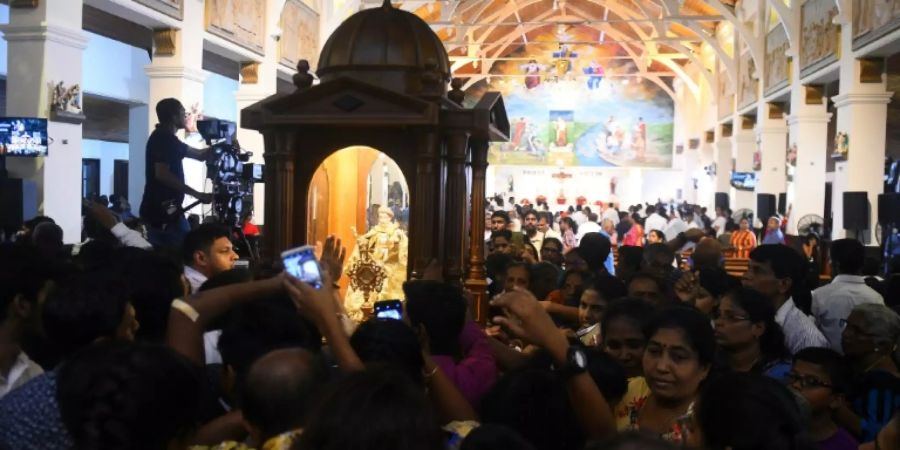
(743,241)
(800,330)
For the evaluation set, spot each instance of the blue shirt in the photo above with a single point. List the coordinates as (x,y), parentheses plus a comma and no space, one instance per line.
(775,237)
(30,418)
(610,263)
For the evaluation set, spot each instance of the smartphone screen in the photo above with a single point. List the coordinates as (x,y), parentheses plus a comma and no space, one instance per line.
(301,263)
(389,309)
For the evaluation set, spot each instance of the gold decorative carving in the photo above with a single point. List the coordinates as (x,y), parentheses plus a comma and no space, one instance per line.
(727,130)
(776,110)
(164,41)
(778,65)
(300,34)
(249,72)
(748,122)
(693,144)
(815,94)
(819,36)
(23,4)
(171,8)
(871,70)
(240,21)
(710,137)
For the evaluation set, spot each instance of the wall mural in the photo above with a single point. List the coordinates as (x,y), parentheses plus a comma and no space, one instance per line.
(240,21)
(725,95)
(749,80)
(873,19)
(570,105)
(819,37)
(778,68)
(300,34)
(172,8)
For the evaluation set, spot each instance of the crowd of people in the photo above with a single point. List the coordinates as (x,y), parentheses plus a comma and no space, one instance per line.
(117,344)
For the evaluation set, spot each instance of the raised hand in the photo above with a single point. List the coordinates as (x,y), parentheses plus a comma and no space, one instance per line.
(687,288)
(317,305)
(333,256)
(526,319)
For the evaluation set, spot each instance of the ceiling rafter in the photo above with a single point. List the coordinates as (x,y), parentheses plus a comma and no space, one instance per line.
(729,62)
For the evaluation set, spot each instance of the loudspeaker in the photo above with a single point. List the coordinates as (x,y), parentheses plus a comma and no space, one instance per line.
(722,200)
(18,202)
(889,208)
(856,211)
(765,207)
(782,203)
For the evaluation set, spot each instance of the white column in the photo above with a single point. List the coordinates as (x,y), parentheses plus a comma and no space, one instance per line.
(743,143)
(722,160)
(772,136)
(809,133)
(690,166)
(706,184)
(46,44)
(176,71)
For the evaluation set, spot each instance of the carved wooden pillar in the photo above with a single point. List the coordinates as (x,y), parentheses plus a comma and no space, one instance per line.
(476,278)
(279,193)
(423,226)
(455,208)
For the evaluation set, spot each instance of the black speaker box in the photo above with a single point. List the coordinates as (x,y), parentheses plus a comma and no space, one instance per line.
(18,202)
(765,206)
(722,200)
(856,211)
(782,203)
(889,208)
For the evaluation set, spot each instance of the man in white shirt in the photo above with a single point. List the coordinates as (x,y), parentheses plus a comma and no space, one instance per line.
(654,221)
(718,224)
(777,272)
(675,227)
(833,303)
(207,251)
(23,276)
(580,216)
(591,226)
(611,214)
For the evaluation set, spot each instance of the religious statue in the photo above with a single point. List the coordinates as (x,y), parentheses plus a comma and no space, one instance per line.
(532,74)
(841,146)
(377,266)
(65,99)
(562,138)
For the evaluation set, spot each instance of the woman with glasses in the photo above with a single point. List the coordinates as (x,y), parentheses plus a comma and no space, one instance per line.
(749,338)
(678,358)
(869,341)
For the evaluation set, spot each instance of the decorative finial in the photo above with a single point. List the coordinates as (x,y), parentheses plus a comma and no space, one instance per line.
(456,94)
(387,4)
(303,79)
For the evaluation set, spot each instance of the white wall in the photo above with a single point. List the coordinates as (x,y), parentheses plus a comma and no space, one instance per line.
(218,97)
(116,70)
(4,19)
(107,152)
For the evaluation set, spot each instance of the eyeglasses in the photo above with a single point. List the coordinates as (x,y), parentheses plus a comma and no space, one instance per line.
(730,318)
(807,381)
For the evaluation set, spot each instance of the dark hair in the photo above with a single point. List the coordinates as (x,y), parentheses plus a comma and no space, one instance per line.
(552,240)
(594,248)
(151,282)
(83,309)
(658,250)
(543,278)
(786,263)
(637,311)
(519,265)
(389,342)
(257,328)
(506,234)
(495,437)
(632,440)
(534,402)
(717,282)
(571,223)
(496,263)
(848,255)
(374,409)
(118,395)
(201,239)
(609,287)
(280,390)
(441,309)
(593,217)
(166,108)
(660,284)
(531,212)
(22,272)
(693,325)
(741,411)
(832,363)
(759,309)
(501,214)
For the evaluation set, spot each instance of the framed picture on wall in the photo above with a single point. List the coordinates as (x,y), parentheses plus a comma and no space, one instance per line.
(171,8)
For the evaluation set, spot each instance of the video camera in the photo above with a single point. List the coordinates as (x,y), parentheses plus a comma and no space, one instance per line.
(232,175)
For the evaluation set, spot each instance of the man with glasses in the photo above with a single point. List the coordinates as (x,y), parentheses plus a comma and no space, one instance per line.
(822,378)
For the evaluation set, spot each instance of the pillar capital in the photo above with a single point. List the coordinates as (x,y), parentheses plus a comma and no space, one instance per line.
(796,119)
(771,129)
(178,72)
(70,37)
(862,98)
(743,138)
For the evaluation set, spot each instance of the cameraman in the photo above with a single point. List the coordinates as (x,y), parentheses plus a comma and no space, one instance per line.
(165,188)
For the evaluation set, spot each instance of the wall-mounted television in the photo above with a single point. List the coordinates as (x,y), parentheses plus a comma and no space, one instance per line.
(743,181)
(23,136)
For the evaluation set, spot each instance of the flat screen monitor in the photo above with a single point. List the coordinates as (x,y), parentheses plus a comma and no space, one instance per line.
(744,181)
(23,136)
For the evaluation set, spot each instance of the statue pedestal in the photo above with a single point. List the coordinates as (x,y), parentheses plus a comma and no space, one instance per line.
(67,117)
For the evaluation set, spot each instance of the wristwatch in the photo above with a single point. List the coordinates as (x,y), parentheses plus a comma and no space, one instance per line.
(576,362)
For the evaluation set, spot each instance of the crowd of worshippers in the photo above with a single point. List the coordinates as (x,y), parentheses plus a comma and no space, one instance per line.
(122,346)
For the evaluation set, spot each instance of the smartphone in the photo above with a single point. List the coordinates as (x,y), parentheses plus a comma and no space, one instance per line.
(301,263)
(589,336)
(389,309)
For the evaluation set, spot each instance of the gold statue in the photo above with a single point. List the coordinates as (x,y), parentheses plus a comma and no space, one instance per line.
(377,266)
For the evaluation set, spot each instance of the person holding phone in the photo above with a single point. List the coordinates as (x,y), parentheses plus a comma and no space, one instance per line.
(165,187)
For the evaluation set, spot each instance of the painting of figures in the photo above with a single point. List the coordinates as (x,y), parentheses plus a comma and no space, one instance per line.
(580,105)
(820,36)
(873,19)
(239,21)
(749,84)
(300,34)
(777,65)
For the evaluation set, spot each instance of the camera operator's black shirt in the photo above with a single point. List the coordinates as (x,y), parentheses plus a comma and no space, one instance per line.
(162,147)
